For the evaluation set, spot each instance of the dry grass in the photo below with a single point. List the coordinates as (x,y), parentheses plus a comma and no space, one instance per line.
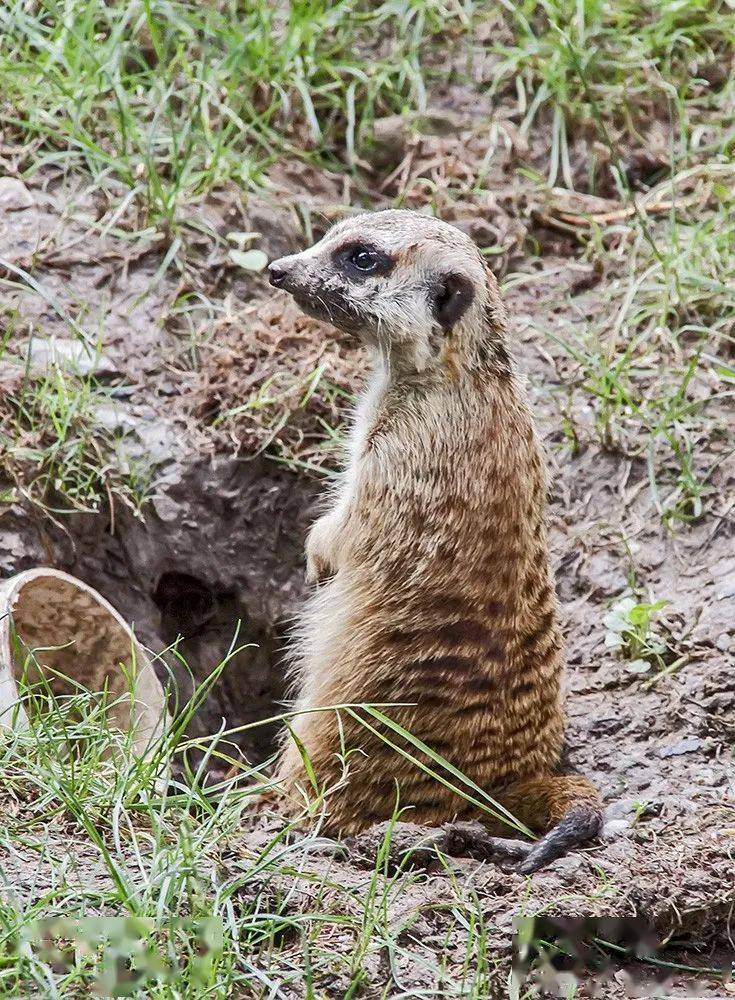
(273,382)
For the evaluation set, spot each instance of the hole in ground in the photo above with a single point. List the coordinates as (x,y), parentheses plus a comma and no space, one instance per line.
(204,624)
(221,543)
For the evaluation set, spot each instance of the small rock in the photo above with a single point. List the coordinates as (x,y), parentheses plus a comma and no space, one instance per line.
(606,725)
(725,588)
(166,508)
(689,744)
(719,702)
(14,195)
(615,828)
(620,809)
(625,808)
(115,419)
(725,642)
(70,355)
(568,866)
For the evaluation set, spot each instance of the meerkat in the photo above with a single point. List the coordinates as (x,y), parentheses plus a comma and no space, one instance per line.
(432,585)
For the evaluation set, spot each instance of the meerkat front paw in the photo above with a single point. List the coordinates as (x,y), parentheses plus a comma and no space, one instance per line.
(317,569)
(320,551)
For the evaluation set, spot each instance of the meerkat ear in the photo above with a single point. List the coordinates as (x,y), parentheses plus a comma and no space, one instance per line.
(453,296)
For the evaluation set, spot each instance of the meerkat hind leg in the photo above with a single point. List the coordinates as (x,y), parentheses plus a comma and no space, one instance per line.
(462,839)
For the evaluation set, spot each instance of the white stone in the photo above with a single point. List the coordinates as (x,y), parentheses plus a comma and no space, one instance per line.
(14,195)
(69,355)
(615,828)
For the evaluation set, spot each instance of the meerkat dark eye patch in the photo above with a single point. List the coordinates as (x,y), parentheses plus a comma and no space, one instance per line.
(362,260)
(452,297)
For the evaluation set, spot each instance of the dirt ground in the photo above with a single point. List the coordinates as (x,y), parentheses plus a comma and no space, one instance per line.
(232,496)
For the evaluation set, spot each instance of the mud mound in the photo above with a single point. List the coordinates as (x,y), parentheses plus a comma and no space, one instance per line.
(276,381)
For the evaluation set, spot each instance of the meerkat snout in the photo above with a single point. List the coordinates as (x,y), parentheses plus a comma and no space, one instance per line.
(278,273)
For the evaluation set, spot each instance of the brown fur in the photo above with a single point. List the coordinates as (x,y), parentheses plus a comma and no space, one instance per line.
(434,560)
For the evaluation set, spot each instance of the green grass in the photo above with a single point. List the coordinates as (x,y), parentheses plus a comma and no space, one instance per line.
(270,417)
(606,70)
(171,99)
(653,359)
(54,450)
(136,875)
(150,842)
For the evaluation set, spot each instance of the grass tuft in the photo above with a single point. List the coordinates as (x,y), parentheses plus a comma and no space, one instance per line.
(54,450)
(172,99)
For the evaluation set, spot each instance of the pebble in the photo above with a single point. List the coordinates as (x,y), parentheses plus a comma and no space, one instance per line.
(14,195)
(725,642)
(615,828)
(115,419)
(70,355)
(568,866)
(166,508)
(620,809)
(689,744)
(725,588)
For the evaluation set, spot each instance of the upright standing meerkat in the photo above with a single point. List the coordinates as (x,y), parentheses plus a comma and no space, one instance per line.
(432,563)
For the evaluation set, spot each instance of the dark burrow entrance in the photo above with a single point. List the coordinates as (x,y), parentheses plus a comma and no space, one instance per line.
(212,572)
(206,626)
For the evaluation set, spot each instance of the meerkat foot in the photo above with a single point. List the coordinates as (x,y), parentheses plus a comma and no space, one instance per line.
(418,845)
(471,840)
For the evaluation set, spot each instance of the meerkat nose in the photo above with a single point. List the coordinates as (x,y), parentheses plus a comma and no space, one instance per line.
(278,272)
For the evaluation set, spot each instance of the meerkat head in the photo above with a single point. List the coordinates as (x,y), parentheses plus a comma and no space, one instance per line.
(403,282)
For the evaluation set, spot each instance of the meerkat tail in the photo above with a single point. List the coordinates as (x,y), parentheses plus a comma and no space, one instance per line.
(567,807)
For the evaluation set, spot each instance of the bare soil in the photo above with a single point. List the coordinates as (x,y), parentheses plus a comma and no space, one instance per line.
(221,542)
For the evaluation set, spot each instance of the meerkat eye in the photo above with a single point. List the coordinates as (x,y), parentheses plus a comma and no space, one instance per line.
(361,260)
(364,260)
